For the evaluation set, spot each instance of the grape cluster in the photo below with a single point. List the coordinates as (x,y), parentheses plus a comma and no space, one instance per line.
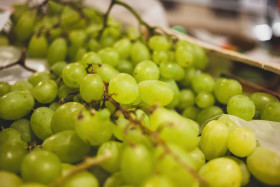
(119,110)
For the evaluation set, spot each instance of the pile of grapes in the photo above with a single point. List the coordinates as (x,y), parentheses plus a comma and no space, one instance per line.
(123,109)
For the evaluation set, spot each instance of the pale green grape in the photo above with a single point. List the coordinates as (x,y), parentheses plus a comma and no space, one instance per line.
(54,105)
(184,57)
(38,46)
(5,87)
(113,163)
(158,180)
(167,70)
(73,74)
(241,142)
(37,77)
(54,7)
(67,146)
(222,172)
(58,67)
(146,70)
(123,88)
(244,170)
(109,56)
(92,87)
(186,99)
(93,45)
(180,72)
(80,53)
(264,165)
(40,122)
(11,135)
(9,179)
(21,86)
(155,92)
(77,37)
(204,99)
(15,105)
(173,85)
(271,112)
(160,57)
(201,61)
(213,141)
(23,126)
(123,47)
(84,178)
(198,157)
(90,58)
(203,82)
(241,106)
(25,25)
(109,36)
(224,89)
(106,72)
(228,122)
(45,91)
(260,99)
(158,43)
(136,164)
(125,66)
(94,129)
(208,113)
(191,112)
(139,52)
(115,180)
(69,16)
(189,74)
(57,51)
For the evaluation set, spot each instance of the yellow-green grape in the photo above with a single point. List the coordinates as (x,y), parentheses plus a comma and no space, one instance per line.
(208,113)
(4,41)
(201,58)
(80,53)
(22,86)
(73,74)
(204,99)
(10,135)
(198,157)
(228,122)
(38,46)
(37,77)
(123,88)
(54,7)
(146,70)
(244,170)
(191,112)
(109,56)
(90,58)
(213,141)
(139,52)
(184,57)
(155,92)
(5,87)
(25,25)
(167,70)
(271,112)
(158,43)
(203,82)
(160,57)
(261,99)
(222,172)
(33,184)
(58,67)
(9,179)
(180,72)
(115,180)
(100,174)
(157,180)
(69,17)
(264,165)
(23,126)
(109,36)
(125,66)
(123,47)
(173,85)
(189,74)
(57,51)
(84,178)
(241,142)
(91,88)
(77,37)
(106,72)
(186,99)
(45,91)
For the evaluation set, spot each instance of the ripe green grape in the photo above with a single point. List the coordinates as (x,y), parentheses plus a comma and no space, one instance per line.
(69,17)
(106,72)
(155,92)
(45,91)
(22,86)
(90,58)
(224,89)
(123,88)
(84,178)
(225,167)
(191,112)
(241,106)
(73,74)
(109,36)
(94,129)
(25,25)
(160,57)
(93,45)
(167,70)
(40,166)
(264,165)
(9,179)
(244,170)
(58,67)
(64,117)
(158,180)
(123,47)
(33,184)
(198,157)
(184,57)
(38,46)
(139,52)
(173,85)
(109,56)
(241,141)
(15,105)
(54,105)
(67,145)
(186,99)
(158,43)
(271,112)
(114,180)
(208,113)
(136,164)
(57,51)
(113,163)
(180,72)
(23,126)
(189,74)
(11,135)
(40,122)
(37,77)
(204,99)
(203,82)
(91,87)
(261,99)
(201,57)
(80,53)
(77,37)
(213,141)
(228,122)
(5,87)
(146,70)
(66,93)
(125,66)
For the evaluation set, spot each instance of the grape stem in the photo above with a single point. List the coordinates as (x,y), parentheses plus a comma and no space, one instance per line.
(86,164)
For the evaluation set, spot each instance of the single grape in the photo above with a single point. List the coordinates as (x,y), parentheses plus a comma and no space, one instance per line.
(167,70)
(184,57)
(186,99)
(146,70)
(204,99)
(58,67)
(158,43)
(241,106)
(176,92)
(57,51)
(15,105)
(23,126)
(125,66)
(271,112)
(77,37)
(91,88)
(5,87)
(191,112)
(37,77)
(9,179)
(123,47)
(158,180)
(73,74)
(90,58)
(180,72)
(84,178)
(45,91)
(11,135)
(54,105)
(114,180)
(38,46)
(203,82)
(69,16)
(25,25)
(201,61)
(208,113)
(139,52)
(244,170)
(106,72)
(189,74)
(198,157)
(228,122)
(22,86)
(109,56)
(80,53)
(160,57)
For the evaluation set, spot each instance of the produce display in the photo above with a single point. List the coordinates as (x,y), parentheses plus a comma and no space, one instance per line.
(120,107)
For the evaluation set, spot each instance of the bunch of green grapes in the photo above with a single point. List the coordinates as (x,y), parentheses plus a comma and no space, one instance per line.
(133,106)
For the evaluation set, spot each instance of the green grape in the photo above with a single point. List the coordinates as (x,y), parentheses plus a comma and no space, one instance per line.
(213,141)
(40,122)
(208,113)
(158,180)
(57,51)
(11,135)
(80,53)
(244,170)
(222,172)
(136,164)
(54,105)
(203,82)
(125,66)
(40,166)
(123,88)
(189,74)
(100,174)
(25,25)
(228,122)
(123,47)
(204,99)
(92,88)
(93,14)
(180,73)
(241,106)
(158,43)
(72,53)
(201,61)
(186,99)
(167,70)
(64,117)
(69,16)
(67,146)
(66,93)
(94,129)
(11,156)
(58,67)
(23,126)
(264,165)
(77,37)
(113,163)
(45,91)
(260,99)
(191,112)
(184,57)
(106,72)
(109,36)
(73,74)
(198,157)
(109,56)
(155,92)
(5,87)
(139,52)
(22,86)
(241,141)
(224,89)
(271,112)
(9,179)
(146,70)
(84,178)
(15,105)
(160,57)
(90,58)
(115,180)
(37,77)
(54,7)
(93,45)
(38,46)
(176,92)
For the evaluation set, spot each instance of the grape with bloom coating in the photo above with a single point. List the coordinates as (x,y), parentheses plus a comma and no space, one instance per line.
(45,91)
(91,87)
(73,74)
(146,70)
(203,82)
